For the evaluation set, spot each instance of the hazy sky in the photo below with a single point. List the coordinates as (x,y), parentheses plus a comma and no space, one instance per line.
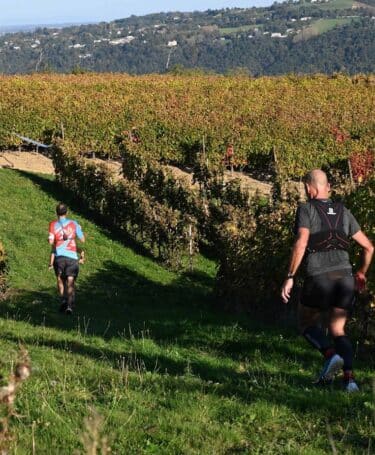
(15,12)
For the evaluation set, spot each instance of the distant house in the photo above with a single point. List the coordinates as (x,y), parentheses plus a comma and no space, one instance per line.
(126,40)
(77,46)
(172,43)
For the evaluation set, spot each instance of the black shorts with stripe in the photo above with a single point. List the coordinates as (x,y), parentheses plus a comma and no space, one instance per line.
(330,289)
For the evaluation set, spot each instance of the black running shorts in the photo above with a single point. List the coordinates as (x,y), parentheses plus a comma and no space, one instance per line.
(330,289)
(65,267)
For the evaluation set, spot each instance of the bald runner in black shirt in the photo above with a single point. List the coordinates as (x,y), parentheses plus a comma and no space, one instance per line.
(324,230)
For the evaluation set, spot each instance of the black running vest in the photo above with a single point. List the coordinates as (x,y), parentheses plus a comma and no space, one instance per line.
(332,235)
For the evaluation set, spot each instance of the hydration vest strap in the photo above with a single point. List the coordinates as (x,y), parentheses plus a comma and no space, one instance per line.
(331,221)
(332,235)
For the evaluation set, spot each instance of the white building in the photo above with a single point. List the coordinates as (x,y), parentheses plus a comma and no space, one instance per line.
(77,46)
(126,40)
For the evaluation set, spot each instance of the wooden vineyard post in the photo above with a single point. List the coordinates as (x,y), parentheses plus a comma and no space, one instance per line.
(205,160)
(351,173)
(275,160)
(229,155)
(204,151)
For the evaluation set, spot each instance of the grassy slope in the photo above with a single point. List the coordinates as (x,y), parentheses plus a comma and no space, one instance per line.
(325,25)
(166,373)
(244,28)
(337,4)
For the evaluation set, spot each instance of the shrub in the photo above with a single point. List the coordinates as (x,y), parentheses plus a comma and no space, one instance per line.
(164,231)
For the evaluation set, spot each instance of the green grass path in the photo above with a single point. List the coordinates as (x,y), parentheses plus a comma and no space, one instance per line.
(166,373)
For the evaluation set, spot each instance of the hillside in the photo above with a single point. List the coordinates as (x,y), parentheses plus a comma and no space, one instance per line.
(315,36)
(165,373)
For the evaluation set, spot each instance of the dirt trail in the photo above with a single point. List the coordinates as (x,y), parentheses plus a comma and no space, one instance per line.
(35,162)
(113,166)
(26,161)
(247,183)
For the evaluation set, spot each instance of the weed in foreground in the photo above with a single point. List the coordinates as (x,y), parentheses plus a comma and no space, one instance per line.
(93,440)
(8,394)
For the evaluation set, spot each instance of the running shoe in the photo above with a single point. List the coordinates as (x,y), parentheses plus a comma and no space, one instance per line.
(332,366)
(69,310)
(351,386)
(63,305)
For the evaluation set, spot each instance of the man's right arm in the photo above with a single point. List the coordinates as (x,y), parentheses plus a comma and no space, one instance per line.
(51,234)
(298,252)
(302,231)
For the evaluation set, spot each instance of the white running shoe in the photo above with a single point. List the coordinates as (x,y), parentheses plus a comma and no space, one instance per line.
(69,310)
(351,386)
(332,366)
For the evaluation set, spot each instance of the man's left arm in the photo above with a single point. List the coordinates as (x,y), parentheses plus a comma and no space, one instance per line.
(79,233)
(368,252)
(298,253)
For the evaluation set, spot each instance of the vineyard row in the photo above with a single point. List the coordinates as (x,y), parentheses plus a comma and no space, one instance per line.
(298,122)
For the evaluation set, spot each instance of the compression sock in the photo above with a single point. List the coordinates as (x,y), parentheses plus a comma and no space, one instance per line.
(348,376)
(316,337)
(345,349)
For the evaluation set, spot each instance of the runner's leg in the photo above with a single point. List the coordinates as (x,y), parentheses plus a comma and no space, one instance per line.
(59,268)
(309,322)
(339,314)
(70,291)
(60,286)
(338,318)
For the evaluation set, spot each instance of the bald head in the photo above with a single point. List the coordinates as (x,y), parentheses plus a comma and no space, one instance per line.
(317,177)
(317,185)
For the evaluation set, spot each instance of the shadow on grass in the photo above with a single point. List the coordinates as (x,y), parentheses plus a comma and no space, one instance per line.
(116,303)
(189,376)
